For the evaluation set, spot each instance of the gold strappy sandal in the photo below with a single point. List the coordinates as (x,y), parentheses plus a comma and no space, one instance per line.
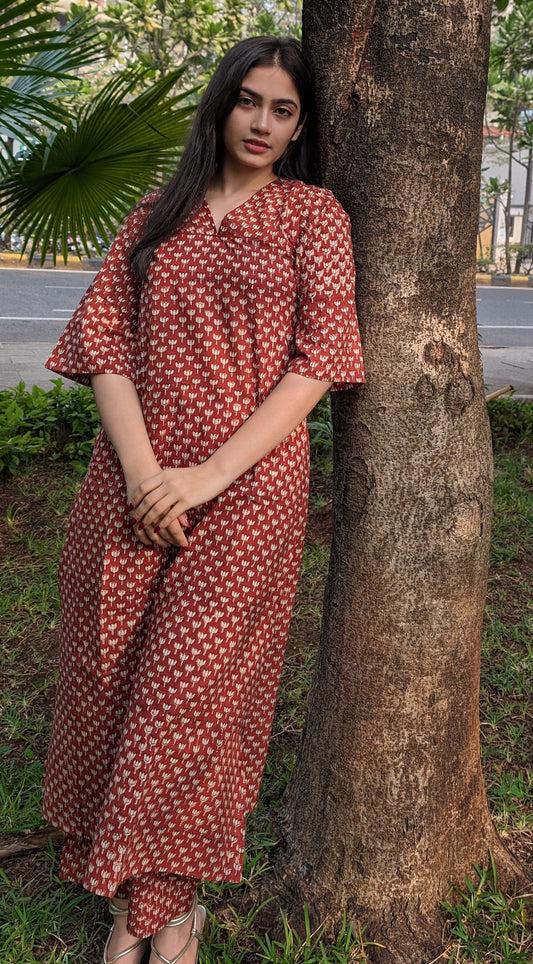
(118,912)
(197,933)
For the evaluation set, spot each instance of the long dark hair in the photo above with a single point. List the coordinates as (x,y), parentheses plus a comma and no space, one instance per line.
(203,153)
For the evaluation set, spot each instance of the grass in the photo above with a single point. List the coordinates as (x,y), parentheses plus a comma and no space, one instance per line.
(309,949)
(43,922)
(29,611)
(507,651)
(315,562)
(484,925)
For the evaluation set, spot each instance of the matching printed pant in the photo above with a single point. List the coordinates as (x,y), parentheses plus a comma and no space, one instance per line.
(154,898)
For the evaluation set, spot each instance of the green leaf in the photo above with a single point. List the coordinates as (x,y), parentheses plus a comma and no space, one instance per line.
(86,176)
(40,66)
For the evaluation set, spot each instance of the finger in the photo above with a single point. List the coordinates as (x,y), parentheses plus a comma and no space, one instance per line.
(150,512)
(142,537)
(175,533)
(148,537)
(165,513)
(171,517)
(143,490)
(158,539)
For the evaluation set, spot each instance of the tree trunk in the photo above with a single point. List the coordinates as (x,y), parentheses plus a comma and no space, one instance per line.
(525,219)
(508,266)
(527,197)
(386,808)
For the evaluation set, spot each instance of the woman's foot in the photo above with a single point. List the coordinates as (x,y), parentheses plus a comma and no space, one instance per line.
(179,942)
(122,947)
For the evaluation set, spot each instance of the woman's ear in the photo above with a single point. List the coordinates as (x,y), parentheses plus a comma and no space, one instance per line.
(298,130)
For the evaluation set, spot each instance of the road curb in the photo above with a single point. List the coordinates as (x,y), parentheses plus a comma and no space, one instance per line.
(10,259)
(505,280)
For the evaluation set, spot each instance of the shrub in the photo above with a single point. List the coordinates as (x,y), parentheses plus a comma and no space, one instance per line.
(511,421)
(63,423)
(58,423)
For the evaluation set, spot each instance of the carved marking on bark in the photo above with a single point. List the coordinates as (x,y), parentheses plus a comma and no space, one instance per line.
(425,390)
(357,488)
(450,379)
(378,97)
(439,353)
(466,524)
(459,395)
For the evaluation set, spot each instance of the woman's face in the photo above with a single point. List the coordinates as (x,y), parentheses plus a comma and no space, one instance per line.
(265,119)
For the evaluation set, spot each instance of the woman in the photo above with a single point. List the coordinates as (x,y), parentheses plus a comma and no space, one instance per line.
(223,312)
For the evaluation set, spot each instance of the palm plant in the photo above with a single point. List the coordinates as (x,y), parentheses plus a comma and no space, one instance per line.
(82,167)
(36,65)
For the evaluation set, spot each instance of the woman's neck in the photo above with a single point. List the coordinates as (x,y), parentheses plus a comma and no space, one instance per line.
(232,183)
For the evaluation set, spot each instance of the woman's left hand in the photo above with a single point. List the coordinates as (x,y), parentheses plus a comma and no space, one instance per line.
(161,499)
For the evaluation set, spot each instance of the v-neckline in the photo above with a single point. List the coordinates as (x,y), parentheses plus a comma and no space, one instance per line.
(217,227)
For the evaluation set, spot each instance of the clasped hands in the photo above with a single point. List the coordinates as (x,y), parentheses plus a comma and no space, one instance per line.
(158,504)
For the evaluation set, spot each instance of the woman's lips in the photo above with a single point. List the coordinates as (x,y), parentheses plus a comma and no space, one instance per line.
(256,147)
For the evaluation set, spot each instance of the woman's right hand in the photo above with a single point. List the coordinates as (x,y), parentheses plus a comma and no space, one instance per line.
(152,535)
(160,504)
(123,420)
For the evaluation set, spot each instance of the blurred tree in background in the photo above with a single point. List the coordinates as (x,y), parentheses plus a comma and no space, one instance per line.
(510,109)
(95,105)
(163,34)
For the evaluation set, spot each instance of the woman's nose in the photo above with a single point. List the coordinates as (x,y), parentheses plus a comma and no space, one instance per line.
(262,121)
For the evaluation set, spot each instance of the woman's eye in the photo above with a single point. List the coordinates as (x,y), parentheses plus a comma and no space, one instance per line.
(245,100)
(284,111)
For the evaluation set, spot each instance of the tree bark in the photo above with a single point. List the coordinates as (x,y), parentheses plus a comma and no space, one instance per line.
(508,266)
(386,809)
(525,218)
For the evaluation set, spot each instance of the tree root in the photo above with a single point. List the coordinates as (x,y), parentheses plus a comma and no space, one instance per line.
(16,844)
(400,931)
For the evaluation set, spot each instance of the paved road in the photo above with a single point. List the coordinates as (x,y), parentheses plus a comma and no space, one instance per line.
(505,317)
(505,325)
(35,305)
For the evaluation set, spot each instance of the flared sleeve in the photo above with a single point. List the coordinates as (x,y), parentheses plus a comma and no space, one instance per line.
(100,336)
(327,344)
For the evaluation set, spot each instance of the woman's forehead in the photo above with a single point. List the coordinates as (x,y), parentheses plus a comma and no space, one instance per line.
(273,83)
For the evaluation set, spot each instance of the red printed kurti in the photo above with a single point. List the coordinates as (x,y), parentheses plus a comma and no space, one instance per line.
(170,660)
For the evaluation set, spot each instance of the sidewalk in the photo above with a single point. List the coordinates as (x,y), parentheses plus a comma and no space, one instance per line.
(509,366)
(501,367)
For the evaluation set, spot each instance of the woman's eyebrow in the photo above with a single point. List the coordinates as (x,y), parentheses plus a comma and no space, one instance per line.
(278,100)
